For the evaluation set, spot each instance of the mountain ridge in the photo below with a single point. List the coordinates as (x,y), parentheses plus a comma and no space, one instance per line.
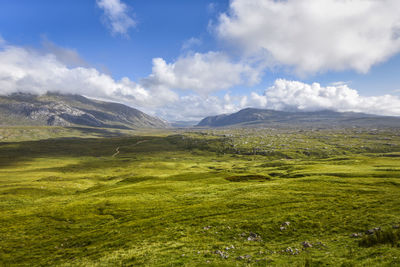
(53,109)
(266,117)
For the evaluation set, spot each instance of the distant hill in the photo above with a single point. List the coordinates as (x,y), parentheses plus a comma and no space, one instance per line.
(183,124)
(72,110)
(272,118)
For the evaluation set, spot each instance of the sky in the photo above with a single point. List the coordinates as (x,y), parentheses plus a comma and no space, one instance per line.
(183,60)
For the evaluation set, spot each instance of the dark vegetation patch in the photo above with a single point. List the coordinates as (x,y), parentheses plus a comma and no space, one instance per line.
(133,180)
(273,164)
(248,178)
(388,236)
(391,155)
(393,183)
(342,174)
(277,174)
(297,175)
(28,191)
(338,159)
(51,179)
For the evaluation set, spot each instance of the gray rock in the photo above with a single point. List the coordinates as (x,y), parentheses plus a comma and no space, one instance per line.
(244,257)
(253,237)
(221,254)
(306,244)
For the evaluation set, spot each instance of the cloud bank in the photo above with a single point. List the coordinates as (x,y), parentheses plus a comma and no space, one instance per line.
(32,71)
(29,71)
(116,16)
(165,92)
(298,96)
(203,73)
(314,35)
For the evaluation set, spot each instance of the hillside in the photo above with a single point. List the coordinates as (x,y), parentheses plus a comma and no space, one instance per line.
(71,110)
(272,118)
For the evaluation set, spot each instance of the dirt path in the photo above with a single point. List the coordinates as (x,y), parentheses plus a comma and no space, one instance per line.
(116,152)
(117,149)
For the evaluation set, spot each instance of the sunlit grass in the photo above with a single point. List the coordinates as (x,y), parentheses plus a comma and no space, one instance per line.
(173,201)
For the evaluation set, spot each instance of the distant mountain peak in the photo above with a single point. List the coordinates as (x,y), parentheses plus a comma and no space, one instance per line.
(71,110)
(255,117)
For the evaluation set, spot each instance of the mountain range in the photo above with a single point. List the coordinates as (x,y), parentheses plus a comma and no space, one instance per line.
(251,117)
(54,109)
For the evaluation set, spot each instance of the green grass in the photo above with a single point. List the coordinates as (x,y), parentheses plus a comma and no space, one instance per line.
(178,197)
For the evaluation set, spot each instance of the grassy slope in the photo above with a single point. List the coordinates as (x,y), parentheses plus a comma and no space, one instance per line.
(69,202)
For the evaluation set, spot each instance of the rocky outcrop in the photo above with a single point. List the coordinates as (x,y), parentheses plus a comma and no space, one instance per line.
(70,110)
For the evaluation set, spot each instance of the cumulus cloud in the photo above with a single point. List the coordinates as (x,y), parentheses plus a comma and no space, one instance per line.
(38,72)
(190,43)
(25,70)
(195,107)
(203,73)
(313,35)
(67,56)
(29,71)
(116,17)
(298,96)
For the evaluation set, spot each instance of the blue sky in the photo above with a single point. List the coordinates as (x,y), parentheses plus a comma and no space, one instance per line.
(182,60)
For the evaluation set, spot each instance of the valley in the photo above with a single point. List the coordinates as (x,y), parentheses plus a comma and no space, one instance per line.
(198,197)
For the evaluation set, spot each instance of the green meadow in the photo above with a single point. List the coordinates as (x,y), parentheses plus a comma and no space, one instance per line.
(199,197)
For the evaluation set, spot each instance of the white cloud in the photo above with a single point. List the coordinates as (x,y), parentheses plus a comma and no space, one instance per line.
(117,17)
(67,56)
(294,95)
(2,41)
(315,35)
(37,72)
(195,107)
(203,73)
(29,71)
(190,43)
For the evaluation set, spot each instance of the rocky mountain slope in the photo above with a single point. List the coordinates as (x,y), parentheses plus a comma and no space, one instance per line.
(72,110)
(272,118)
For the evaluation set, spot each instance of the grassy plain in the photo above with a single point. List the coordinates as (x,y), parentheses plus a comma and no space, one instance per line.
(199,197)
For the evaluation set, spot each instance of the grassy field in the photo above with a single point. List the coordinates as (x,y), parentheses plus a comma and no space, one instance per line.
(283,197)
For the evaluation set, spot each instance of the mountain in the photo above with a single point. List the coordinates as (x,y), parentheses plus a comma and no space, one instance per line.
(72,110)
(183,124)
(273,118)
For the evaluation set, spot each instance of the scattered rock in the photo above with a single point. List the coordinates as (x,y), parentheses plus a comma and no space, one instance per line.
(306,244)
(289,250)
(319,244)
(372,231)
(231,247)
(285,224)
(396,226)
(248,257)
(355,235)
(206,227)
(282,228)
(253,237)
(222,254)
